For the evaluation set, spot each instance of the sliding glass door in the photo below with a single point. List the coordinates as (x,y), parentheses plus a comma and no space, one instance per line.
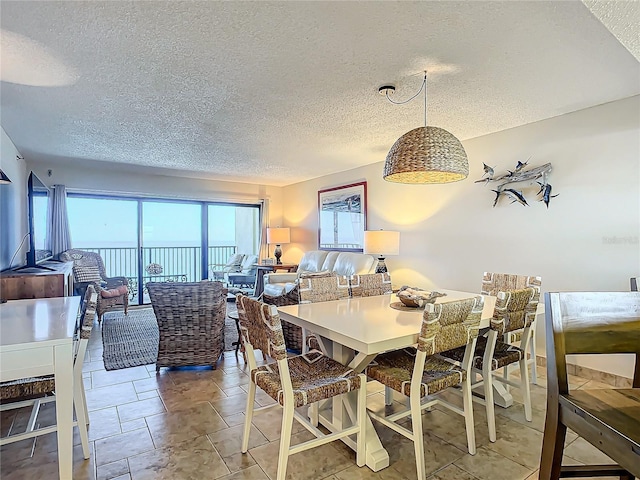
(161,240)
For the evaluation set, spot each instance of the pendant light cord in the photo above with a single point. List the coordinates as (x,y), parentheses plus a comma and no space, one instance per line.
(422,87)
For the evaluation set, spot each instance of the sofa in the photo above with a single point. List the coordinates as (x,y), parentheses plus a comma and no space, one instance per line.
(282,288)
(318,261)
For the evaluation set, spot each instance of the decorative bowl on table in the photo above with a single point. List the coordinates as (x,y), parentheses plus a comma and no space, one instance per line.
(416,297)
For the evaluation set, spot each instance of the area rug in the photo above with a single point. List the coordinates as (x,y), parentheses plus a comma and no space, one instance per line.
(132,340)
(129,340)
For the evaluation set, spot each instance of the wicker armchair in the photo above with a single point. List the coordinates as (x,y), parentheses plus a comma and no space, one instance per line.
(88,268)
(191,322)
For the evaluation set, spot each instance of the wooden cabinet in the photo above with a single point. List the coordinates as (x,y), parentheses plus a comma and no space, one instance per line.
(34,283)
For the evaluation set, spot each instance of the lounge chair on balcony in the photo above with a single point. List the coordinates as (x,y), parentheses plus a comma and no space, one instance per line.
(219,271)
(246,277)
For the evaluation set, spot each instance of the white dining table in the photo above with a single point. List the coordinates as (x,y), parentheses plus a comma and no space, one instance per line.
(36,338)
(353,331)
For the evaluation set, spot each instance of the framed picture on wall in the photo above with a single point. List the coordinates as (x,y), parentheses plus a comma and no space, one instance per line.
(342,217)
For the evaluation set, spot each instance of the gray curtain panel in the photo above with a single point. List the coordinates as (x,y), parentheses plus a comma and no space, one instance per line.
(60,236)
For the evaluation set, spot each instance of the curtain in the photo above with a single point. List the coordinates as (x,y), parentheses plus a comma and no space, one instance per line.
(264,223)
(59,235)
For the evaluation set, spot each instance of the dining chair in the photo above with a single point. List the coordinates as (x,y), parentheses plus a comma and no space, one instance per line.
(294,382)
(419,373)
(38,391)
(370,284)
(579,323)
(515,310)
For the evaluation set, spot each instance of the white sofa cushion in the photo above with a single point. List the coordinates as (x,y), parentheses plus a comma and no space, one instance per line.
(341,263)
(350,263)
(312,261)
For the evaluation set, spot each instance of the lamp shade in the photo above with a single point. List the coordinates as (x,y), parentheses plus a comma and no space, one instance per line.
(279,235)
(426,155)
(3,178)
(382,242)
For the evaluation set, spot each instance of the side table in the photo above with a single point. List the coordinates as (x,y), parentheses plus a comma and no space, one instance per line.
(263,269)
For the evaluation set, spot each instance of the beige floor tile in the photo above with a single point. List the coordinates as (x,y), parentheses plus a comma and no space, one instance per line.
(269,423)
(452,473)
(489,465)
(113,470)
(45,466)
(142,408)
(104,423)
(186,393)
(252,473)
(235,419)
(194,458)
(117,447)
(154,382)
(519,443)
(365,473)
(133,425)
(584,452)
(148,394)
(315,464)
(229,441)
(102,378)
(181,425)
(110,396)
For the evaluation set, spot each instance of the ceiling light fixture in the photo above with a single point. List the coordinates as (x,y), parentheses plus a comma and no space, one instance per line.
(424,154)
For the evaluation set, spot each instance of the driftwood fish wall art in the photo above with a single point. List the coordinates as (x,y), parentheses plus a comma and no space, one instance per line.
(520,174)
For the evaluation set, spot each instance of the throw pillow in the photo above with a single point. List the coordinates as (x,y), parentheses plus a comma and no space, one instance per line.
(114,292)
(234,262)
(87,274)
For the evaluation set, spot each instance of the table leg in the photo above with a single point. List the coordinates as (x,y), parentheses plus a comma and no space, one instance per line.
(345,407)
(63,374)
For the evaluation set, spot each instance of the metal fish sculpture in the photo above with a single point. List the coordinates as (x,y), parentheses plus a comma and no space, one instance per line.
(516,196)
(545,189)
(487,171)
(498,193)
(520,165)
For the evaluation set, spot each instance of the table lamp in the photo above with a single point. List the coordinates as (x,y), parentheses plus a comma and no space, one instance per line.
(381,243)
(278,235)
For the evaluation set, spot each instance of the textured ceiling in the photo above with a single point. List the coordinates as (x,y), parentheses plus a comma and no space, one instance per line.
(277,93)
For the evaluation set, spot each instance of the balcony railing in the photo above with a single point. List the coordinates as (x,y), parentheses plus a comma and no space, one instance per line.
(178,263)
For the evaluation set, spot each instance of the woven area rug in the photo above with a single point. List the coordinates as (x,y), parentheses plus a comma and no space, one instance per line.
(132,340)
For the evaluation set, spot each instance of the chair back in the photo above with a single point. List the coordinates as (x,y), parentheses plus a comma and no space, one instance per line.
(515,308)
(450,325)
(190,318)
(313,289)
(260,327)
(370,284)
(590,323)
(87,266)
(89,304)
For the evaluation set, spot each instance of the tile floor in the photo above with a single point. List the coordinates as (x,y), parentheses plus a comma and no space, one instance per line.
(187,424)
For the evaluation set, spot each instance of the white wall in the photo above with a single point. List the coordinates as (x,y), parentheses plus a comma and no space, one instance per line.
(586,240)
(13,205)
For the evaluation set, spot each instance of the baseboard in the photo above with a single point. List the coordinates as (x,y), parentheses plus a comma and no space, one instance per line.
(592,374)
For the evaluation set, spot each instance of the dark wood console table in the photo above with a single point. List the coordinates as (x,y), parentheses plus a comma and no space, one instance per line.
(38,283)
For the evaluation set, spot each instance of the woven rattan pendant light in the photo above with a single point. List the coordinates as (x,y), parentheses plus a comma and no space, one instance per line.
(425,154)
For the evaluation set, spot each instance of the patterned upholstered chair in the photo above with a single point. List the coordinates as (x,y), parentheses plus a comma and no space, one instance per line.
(88,268)
(294,382)
(421,373)
(38,391)
(190,321)
(370,284)
(515,310)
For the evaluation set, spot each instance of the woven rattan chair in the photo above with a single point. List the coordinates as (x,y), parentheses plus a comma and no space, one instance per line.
(88,268)
(370,284)
(515,310)
(190,321)
(420,373)
(39,391)
(294,382)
